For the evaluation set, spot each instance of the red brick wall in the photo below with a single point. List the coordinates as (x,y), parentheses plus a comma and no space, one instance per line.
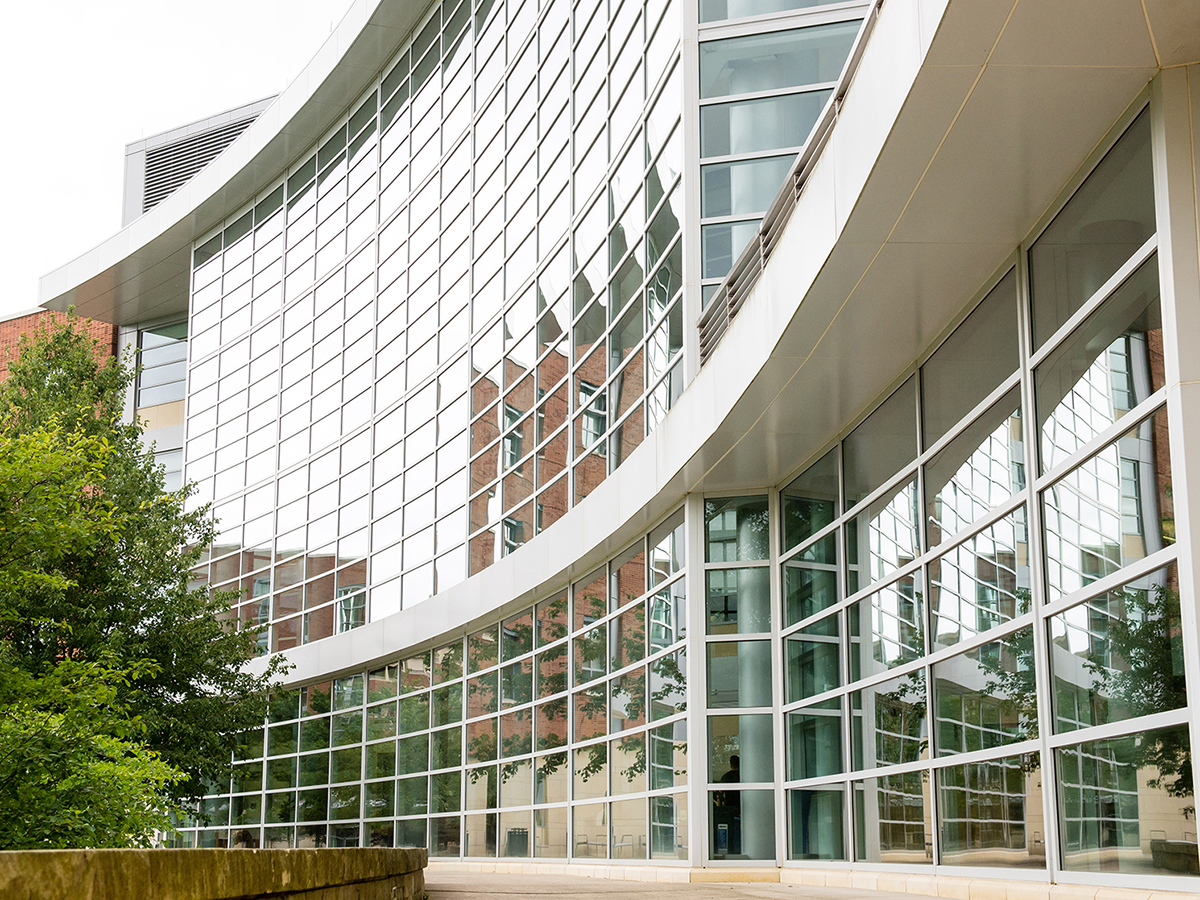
(12,329)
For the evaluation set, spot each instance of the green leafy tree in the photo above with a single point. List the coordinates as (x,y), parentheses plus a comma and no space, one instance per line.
(119,589)
(72,769)
(73,772)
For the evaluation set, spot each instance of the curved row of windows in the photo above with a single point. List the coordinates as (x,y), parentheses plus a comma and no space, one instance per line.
(953,629)
(573,710)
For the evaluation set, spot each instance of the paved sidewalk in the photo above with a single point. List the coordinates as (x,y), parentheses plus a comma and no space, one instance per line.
(477,885)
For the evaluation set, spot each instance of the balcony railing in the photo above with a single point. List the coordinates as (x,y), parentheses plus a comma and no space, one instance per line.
(714,321)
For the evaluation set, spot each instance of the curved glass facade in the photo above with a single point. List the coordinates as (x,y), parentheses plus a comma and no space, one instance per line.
(953,642)
(458,313)
(451,320)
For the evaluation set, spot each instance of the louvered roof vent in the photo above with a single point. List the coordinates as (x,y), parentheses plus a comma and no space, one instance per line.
(158,166)
(170,166)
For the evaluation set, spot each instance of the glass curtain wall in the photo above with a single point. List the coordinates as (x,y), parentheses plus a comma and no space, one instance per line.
(450,321)
(761,90)
(558,731)
(1002,521)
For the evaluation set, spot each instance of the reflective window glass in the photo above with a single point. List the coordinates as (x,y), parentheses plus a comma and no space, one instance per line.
(991,812)
(810,580)
(755,126)
(739,674)
(882,445)
(893,819)
(811,501)
(1115,508)
(777,59)
(736,529)
(1119,655)
(986,697)
(741,188)
(1107,219)
(981,583)
(741,824)
(1106,367)
(818,824)
(814,736)
(978,470)
(739,601)
(972,362)
(1114,794)
(887,629)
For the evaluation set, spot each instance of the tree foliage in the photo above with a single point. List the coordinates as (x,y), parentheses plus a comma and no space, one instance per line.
(94,568)
(73,771)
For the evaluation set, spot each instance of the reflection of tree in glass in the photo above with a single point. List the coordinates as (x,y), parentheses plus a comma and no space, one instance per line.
(481,650)
(900,732)
(596,757)
(547,766)
(488,773)
(316,699)
(515,741)
(1139,672)
(591,649)
(629,637)
(447,792)
(481,747)
(667,695)
(552,620)
(517,636)
(448,662)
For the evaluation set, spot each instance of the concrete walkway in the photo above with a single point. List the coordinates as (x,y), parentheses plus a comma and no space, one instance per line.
(443,885)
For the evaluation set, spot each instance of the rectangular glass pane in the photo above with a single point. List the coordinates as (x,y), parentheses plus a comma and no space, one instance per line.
(887,629)
(815,741)
(755,126)
(810,582)
(668,827)
(741,188)
(889,722)
(1115,508)
(740,749)
(883,537)
(972,362)
(814,659)
(893,819)
(882,445)
(739,601)
(817,827)
(1108,218)
(735,529)
(1119,655)
(982,583)
(739,674)
(978,470)
(1108,365)
(986,697)
(1125,805)
(991,813)
(741,824)
(811,501)
(777,59)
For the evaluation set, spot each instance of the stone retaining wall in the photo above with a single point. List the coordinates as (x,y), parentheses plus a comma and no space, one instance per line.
(329,874)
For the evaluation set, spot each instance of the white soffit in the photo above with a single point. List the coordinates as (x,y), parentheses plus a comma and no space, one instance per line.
(1009,100)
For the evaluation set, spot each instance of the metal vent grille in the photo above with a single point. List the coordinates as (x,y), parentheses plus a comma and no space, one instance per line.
(170,166)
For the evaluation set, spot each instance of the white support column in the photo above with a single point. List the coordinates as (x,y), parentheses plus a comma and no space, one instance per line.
(1175,103)
(696,681)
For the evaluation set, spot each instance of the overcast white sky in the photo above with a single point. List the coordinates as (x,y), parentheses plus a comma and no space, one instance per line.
(80,79)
